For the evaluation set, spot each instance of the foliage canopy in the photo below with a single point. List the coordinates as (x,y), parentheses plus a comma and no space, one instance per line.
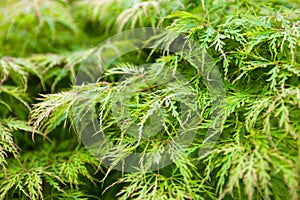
(254,44)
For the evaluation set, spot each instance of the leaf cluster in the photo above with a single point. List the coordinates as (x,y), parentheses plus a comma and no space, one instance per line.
(255,46)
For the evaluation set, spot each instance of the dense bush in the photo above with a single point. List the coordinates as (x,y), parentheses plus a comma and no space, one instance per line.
(254,44)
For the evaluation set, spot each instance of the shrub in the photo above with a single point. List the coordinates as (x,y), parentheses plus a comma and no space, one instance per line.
(255,46)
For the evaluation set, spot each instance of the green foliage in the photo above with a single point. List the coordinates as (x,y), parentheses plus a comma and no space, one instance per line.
(46,25)
(47,174)
(254,44)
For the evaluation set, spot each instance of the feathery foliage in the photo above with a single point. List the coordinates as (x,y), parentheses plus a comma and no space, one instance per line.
(254,44)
